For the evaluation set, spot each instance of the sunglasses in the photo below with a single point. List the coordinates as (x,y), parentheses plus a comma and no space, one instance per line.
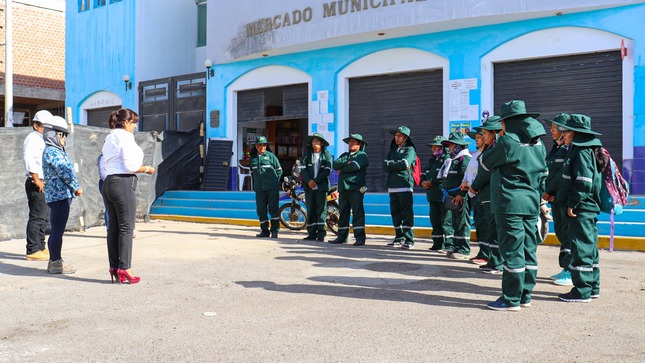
(62,135)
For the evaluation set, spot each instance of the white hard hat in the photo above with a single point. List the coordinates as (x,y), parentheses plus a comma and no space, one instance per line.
(43,116)
(57,123)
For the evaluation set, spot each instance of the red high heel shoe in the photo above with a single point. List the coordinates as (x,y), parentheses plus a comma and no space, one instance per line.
(113,274)
(124,275)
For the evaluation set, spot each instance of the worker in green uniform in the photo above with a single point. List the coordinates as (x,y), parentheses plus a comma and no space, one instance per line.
(580,189)
(440,217)
(352,167)
(481,258)
(481,187)
(554,162)
(518,164)
(266,171)
(316,166)
(452,173)
(399,164)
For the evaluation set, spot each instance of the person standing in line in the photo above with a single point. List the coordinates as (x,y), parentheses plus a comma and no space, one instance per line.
(580,191)
(352,167)
(517,162)
(452,173)
(315,180)
(266,171)
(440,217)
(100,163)
(481,187)
(61,185)
(38,223)
(555,161)
(399,164)
(123,160)
(475,202)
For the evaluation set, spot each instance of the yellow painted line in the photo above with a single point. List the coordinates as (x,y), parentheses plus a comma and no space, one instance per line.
(620,242)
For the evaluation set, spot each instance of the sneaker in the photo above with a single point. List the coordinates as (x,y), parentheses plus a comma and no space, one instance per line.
(440,251)
(595,296)
(565,280)
(569,297)
(478,261)
(59,267)
(525,304)
(559,275)
(38,256)
(395,243)
(491,271)
(407,246)
(501,305)
(459,256)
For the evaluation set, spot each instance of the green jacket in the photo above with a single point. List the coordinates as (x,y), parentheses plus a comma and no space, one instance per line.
(554,162)
(481,184)
(266,171)
(456,175)
(307,171)
(434,193)
(517,162)
(353,170)
(581,180)
(399,164)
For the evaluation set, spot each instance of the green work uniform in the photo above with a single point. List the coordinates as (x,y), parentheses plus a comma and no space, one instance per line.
(398,165)
(266,173)
(487,236)
(316,167)
(554,162)
(580,188)
(518,165)
(460,220)
(440,217)
(352,169)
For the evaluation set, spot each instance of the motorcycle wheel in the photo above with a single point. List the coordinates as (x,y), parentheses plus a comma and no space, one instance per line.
(333,216)
(294,218)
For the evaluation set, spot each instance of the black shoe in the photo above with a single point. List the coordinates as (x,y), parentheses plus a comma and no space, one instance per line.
(359,242)
(309,238)
(262,234)
(320,239)
(274,234)
(338,241)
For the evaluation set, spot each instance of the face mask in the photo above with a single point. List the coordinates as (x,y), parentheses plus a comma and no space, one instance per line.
(437,154)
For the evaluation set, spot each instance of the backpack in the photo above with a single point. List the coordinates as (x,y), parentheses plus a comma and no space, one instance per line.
(416,171)
(614,190)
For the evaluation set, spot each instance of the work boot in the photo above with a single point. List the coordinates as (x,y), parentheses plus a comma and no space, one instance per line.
(59,267)
(38,256)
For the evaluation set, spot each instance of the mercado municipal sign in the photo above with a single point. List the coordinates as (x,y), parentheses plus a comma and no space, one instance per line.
(329,9)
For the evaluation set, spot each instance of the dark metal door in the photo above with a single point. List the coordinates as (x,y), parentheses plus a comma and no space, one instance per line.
(218,164)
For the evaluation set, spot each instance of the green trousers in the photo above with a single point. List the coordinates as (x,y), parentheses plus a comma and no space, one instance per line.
(402,216)
(495,259)
(518,238)
(461,227)
(316,213)
(559,213)
(351,201)
(585,268)
(267,200)
(440,225)
(481,228)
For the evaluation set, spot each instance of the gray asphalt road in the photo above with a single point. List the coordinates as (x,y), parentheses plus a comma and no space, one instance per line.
(217,293)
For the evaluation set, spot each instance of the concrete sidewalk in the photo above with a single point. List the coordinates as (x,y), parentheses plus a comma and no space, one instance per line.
(217,293)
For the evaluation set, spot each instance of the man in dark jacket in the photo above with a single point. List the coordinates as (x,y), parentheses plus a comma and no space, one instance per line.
(315,180)
(399,164)
(352,167)
(440,217)
(266,171)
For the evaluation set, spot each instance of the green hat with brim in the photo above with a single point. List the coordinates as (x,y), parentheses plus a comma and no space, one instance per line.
(319,137)
(578,123)
(356,137)
(402,129)
(455,137)
(261,140)
(515,108)
(492,123)
(559,119)
(437,141)
(475,130)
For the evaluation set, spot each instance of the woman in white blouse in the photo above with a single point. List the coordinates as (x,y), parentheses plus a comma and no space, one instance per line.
(123,159)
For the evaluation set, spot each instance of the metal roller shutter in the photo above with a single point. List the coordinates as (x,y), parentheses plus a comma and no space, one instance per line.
(590,84)
(378,104)
(99,117)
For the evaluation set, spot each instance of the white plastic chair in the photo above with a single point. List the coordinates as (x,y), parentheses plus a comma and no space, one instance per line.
(243,172)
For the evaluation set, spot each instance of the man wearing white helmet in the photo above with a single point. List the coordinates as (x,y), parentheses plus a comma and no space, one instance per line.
(38,224)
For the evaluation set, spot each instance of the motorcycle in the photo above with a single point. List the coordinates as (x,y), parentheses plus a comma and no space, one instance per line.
(293,215)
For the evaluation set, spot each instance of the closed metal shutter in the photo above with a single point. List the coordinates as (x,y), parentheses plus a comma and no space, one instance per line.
(378,104)
(589,84)
(218,164)
(99,117)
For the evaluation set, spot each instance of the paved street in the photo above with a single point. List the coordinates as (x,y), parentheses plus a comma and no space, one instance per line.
(217,293)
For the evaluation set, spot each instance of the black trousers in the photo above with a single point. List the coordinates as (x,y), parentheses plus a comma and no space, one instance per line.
(38,224)
(119,194)
(59,215)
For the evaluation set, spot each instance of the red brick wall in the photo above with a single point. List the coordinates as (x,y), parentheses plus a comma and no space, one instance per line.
(38,47)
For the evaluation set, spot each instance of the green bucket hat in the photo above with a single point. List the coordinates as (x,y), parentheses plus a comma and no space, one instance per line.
(559,119)
(492,123)
(456,137)
(437,141)
(578,123)
(402,129)
(317,136)
(356,137)
(261,140)
(475,130)
(515,108)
